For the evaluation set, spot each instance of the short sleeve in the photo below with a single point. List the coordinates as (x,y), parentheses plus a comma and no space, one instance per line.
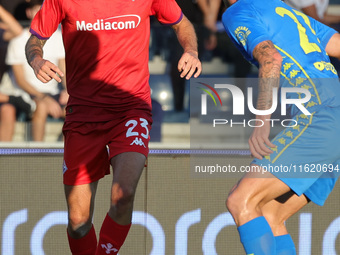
(245,30)
(167,11)
(323,32)
(47,20)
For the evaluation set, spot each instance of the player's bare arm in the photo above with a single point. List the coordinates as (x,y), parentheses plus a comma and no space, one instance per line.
(269,60)
(189,64)
(332,47)
(43,69)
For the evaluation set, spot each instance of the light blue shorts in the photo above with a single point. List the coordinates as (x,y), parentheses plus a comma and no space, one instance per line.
(307,156)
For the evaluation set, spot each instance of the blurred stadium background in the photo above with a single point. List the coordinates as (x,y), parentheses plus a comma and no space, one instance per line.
(175,212)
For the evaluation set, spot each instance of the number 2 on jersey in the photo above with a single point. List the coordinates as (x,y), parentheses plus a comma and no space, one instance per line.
(133,123)
(306,46)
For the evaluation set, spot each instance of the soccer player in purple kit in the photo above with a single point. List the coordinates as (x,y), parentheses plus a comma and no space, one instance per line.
(106,45)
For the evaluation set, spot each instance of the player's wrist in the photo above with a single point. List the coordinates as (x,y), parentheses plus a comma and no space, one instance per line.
(192,52)
(34,60)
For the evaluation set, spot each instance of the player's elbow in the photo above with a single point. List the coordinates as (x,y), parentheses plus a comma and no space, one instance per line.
(272,62)
(277,58)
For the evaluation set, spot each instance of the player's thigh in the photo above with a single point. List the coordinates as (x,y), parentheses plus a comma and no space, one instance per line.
(128,148)
(86,157)
(80,201)
(127,169)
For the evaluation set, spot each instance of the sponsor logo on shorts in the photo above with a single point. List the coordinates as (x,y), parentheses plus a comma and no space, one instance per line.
(123,22)
(138,141)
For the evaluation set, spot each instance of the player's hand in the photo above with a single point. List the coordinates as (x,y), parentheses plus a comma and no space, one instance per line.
(259,141)
(45,70)
(188,64)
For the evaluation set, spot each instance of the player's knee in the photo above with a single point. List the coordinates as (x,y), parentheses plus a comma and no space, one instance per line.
(122,195)
(78,221)
(240,205)
(235,203)
(230,198)
(79,230)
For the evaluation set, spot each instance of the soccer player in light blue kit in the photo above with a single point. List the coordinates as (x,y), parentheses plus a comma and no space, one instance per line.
(291,50)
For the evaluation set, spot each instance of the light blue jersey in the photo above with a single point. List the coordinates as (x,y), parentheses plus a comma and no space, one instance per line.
(310,150)
(299,39)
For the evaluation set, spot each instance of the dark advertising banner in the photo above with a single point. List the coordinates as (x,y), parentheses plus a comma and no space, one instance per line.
(174,213)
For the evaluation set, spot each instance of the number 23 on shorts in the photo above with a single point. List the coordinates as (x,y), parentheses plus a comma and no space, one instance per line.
(137,129)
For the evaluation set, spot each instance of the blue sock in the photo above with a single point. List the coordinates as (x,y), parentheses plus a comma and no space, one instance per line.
(257,237)
(285,245)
